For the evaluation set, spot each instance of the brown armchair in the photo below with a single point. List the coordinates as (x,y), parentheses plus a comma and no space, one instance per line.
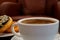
(28,8)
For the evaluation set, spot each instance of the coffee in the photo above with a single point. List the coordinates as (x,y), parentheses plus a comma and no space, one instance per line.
(37,21)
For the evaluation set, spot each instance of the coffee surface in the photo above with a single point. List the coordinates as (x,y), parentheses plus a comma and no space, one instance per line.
(37,21)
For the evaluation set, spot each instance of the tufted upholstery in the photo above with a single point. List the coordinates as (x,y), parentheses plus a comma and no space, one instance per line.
(30,7)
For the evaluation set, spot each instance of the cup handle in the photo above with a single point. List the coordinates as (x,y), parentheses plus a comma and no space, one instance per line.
(13,31)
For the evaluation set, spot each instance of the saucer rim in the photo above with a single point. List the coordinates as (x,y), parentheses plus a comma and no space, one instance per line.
(57,35)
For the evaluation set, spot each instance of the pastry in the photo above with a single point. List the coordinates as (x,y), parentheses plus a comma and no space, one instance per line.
(5,23)
(16,28)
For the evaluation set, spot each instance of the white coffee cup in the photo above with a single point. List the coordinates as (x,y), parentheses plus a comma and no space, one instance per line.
(37,31)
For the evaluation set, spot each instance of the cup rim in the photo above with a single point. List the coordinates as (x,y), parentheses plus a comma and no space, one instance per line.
(48,18)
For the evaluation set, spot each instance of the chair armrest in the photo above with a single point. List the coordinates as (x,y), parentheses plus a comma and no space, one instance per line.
(9,8)
(16,18)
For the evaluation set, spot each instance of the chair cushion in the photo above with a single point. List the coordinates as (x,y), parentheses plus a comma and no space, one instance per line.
(34,7)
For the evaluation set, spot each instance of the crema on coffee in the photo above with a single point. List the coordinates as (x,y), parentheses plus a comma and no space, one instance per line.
(37,21)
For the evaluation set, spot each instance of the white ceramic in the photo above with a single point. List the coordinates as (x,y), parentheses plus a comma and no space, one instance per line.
(6,34)
(20,38)
(37,31)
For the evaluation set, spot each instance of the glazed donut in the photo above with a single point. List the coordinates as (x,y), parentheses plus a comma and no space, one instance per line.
(4,25)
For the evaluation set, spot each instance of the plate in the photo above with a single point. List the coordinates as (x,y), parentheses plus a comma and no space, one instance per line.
(20,38)
(6,34)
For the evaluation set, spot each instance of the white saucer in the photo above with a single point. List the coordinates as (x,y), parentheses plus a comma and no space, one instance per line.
(20,38)
(17,38)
